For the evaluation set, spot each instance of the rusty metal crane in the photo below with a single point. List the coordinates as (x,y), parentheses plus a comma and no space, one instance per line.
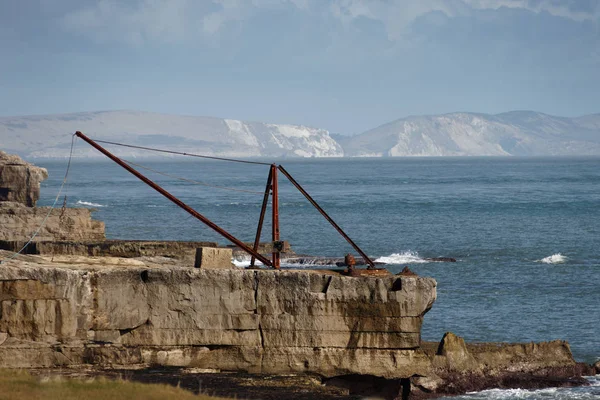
(271,189)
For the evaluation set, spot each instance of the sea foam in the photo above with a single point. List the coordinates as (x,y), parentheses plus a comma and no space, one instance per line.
(89,204)
(244,261)
(408,257)
(554,259)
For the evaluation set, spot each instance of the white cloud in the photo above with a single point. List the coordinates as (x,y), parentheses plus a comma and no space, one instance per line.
(134,23)
(348,10)
(558,8)
(398,15)
(140,21)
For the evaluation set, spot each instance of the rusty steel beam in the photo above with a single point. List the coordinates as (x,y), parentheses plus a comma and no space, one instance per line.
(327,217)
(175,200)
(261,219)
(275,220)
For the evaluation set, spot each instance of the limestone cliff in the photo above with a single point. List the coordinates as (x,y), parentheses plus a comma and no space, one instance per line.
(18,223)
(70,311)
(20,219)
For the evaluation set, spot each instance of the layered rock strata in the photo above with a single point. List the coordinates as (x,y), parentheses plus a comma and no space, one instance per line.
(458,367)
(20,219)
(111,311)
(185,251)
(18,223)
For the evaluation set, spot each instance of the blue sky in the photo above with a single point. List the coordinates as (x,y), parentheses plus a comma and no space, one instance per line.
(343,65)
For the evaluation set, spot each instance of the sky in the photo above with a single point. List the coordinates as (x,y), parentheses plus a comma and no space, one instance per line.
(343,65)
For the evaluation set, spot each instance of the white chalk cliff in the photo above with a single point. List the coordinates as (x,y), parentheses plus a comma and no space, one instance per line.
(517,133)
(49,135)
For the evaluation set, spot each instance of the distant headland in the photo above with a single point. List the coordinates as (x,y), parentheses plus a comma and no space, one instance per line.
(517,133)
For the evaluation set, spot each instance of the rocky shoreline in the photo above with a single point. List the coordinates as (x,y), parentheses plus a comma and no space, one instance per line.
(76,304)
(348,387)
(94,328)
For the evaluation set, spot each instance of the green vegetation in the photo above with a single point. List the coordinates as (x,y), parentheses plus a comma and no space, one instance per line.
(21,385)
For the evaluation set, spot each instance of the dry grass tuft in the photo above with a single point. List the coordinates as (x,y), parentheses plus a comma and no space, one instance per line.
(17,384)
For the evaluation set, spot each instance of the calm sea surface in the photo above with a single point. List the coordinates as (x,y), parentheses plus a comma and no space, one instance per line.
(525,231)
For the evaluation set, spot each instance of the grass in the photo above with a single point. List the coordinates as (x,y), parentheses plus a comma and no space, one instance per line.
(16,384)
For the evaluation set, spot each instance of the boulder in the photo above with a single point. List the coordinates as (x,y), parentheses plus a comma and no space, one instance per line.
(453,355)
(20,180)
(213,257)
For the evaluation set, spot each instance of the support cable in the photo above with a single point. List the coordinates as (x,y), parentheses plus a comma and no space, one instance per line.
(182,153)
(175,200)
(64,182)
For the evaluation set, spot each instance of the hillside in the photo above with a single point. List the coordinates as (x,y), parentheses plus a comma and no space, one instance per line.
(49,135)
(517,133)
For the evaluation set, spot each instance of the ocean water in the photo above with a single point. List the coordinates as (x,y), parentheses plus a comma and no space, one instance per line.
(525,231)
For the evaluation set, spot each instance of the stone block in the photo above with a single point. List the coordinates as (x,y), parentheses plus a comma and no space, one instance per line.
(213,258)
(190,293)
(120,300)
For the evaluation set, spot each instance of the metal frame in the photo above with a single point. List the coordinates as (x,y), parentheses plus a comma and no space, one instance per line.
(272,188)
(175,200)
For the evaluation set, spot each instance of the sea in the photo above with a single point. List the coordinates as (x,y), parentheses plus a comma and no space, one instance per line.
(525,231)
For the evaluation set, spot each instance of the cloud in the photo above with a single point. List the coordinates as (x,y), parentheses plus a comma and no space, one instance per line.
(138,22)
(398,15)
(132,22)
(577,10)
(167,21)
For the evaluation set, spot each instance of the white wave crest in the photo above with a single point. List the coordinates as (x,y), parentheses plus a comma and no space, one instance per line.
(89,204)
(582,393)
(554,259)
(244,261)
(408,257)
(512,394)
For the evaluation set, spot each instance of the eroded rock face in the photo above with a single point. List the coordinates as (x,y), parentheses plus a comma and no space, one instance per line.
(18,223)
(20,180)
(20,219)
(68,313)
(458,367)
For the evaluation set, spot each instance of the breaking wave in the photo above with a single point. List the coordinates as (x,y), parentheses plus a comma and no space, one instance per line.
(408,257)
(554,259)
(244,261)
(88,204)
(581,393)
